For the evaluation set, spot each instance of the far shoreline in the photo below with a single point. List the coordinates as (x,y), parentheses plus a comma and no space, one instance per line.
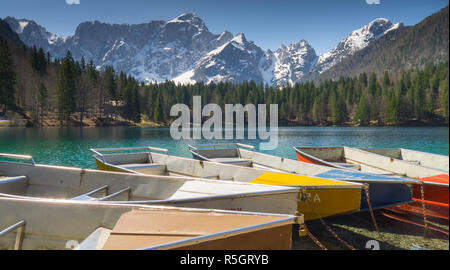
(12,124)
(51,120)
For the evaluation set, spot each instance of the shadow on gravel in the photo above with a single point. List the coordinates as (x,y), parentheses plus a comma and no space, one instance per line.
(358,229)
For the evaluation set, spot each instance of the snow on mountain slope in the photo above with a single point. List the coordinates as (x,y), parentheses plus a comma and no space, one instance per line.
(153,51)
(293,62)
(33,34)
(183,50)
(357,40)
(237,60)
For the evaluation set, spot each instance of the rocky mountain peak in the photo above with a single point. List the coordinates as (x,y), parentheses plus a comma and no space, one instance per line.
(355,41)
(293,62)
(184,50)
(191,19)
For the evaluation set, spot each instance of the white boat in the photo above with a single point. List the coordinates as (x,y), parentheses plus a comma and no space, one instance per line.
(31,180)
(411,163)
(327,197)
(397,161)
(36,224)
(384,191)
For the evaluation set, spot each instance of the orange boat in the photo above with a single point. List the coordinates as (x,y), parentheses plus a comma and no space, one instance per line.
(431,169)
(435,197)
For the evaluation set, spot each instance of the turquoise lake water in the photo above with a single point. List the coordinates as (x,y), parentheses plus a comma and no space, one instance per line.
(70,146)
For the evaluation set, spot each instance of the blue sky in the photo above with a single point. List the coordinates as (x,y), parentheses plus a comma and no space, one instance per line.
(269,23)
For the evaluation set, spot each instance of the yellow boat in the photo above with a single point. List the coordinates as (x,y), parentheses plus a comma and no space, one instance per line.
(320,197)
(317,197)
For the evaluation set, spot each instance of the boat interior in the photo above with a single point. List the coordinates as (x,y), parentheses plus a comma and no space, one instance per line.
(227,154)
(52,224)
(146,162)
(332,156)
(390,162)
(44,181)
(154,163)
(436,161)
(245,155)
(280,164)
(223,155)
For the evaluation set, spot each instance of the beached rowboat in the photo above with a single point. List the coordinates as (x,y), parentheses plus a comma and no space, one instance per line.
(436,199)
(430,169)
(54,224)
(400,162)
(384,190)
(319,197)
(422,159)
(24,180)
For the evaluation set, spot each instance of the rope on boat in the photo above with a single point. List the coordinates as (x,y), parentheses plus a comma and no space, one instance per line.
(308,199)
(425,223)
(304,227)
(310,235)
(336,236)
(366,189)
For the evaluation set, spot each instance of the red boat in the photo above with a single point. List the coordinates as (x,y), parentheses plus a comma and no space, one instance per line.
(435,197)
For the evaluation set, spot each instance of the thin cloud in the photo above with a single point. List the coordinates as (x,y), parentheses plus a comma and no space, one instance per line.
(73,2)
(373,2)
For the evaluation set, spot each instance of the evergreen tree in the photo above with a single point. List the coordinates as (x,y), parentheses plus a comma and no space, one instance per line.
(372,87)
(157,110)
(339,113)
(443,89)
(38,60)
(319,110)
(393,108)
(66,88)
(7,76)
(386,83)
(42,100)
(362,114)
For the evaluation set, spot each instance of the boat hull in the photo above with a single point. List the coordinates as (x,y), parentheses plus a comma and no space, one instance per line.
(384,191)
(381,194)
(436,197)
(59,225)
(321,200)
(327,197)
(395,162)
(105,167)
(303,157)
(56,182)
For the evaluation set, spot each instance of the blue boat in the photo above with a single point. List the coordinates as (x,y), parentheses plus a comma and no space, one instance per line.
(384,191)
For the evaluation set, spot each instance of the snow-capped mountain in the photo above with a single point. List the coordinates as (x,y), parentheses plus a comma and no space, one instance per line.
(184,50)
(153,51)
(357,40)
(237,60)
(293,62)
(33,34)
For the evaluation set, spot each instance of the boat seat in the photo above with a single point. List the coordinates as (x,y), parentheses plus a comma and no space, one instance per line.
(116,194)
(234,161)
(349,166)
(95,240)
(88,197)
(19,229)
(141,228)
(147,168)
(14,185)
